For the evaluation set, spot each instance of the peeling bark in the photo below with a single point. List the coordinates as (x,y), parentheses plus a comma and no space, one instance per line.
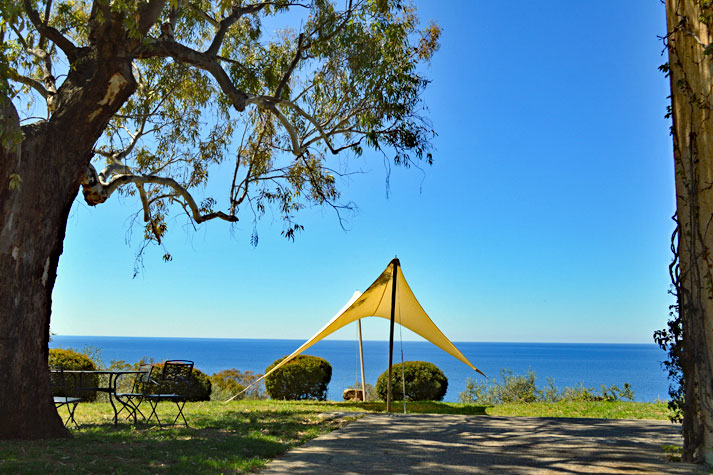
(691,87)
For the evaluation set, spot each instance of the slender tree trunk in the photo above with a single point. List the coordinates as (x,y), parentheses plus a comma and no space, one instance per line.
(691,65)
(39,180)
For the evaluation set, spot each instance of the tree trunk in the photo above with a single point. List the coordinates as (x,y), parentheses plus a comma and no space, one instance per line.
(691,87)
(33,216)
(39,180)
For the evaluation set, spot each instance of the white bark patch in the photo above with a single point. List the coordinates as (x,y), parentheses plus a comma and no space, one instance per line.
(15,253)
(116,84)
(46,272)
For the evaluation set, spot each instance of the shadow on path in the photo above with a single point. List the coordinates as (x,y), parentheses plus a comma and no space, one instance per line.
(382,443)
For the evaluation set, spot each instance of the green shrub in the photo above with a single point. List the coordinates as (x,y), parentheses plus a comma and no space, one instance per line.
(514,388)
(517,388)
(200,387)
(304,377)
(229,382)
(424,382)
(70,359)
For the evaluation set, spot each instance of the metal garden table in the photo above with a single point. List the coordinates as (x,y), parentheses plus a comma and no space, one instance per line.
(110,388)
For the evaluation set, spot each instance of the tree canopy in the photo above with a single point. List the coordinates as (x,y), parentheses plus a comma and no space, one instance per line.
(218,83)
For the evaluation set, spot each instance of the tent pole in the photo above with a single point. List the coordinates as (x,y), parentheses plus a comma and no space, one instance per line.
(395,263)
(361,358)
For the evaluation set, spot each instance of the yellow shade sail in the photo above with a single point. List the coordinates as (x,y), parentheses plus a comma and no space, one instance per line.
(376,302)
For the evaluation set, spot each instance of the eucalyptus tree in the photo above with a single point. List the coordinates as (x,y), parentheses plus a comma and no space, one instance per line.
(689,336)
(152,98)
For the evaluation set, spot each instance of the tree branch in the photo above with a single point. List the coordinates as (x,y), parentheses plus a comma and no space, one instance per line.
(33,83)
(95,191)
(149,13)
(69,49)
(204,15)
(227,22)
(291,68)
(169,48)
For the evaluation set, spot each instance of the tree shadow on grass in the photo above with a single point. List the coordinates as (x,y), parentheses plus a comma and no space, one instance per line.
(235,441)
(230,438)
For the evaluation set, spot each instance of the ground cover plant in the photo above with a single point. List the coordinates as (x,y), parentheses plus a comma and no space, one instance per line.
(514,388)
(240,436)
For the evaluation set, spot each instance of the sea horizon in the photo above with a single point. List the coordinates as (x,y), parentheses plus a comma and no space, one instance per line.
(365,339)
(568,364)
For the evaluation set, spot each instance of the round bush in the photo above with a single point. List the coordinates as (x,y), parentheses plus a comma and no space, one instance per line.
(303,377)
(200,386)
(70,359)
(424,382)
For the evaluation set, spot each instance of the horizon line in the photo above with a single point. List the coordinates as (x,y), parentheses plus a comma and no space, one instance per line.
(351,340)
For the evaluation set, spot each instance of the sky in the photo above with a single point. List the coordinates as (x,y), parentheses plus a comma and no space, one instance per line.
(545,217)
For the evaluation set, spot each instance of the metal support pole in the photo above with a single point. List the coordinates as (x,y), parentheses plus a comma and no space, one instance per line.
(395,267)
(361,358)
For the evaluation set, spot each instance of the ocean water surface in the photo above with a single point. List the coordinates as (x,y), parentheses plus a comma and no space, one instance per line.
(568,364)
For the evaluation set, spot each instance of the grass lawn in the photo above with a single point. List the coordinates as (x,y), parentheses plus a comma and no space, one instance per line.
(240,436)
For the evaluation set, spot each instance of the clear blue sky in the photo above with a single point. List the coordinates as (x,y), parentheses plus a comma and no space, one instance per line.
(545,217)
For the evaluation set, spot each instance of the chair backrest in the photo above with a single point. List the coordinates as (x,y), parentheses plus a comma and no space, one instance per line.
(71,383)
(58,383)
(143,377)
(176,377)
(135,383)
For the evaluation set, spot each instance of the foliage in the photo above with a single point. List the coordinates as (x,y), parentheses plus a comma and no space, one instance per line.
(211,86)
(515,388)
(424,382)
(303,377)
(70,359)
(523,389)
(200,386)
(229,382)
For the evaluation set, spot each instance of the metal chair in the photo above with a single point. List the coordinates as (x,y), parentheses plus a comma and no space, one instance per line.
(173,384)
(61,394)
(132,399)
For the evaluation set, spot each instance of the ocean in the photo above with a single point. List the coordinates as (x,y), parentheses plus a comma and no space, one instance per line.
(568,364)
